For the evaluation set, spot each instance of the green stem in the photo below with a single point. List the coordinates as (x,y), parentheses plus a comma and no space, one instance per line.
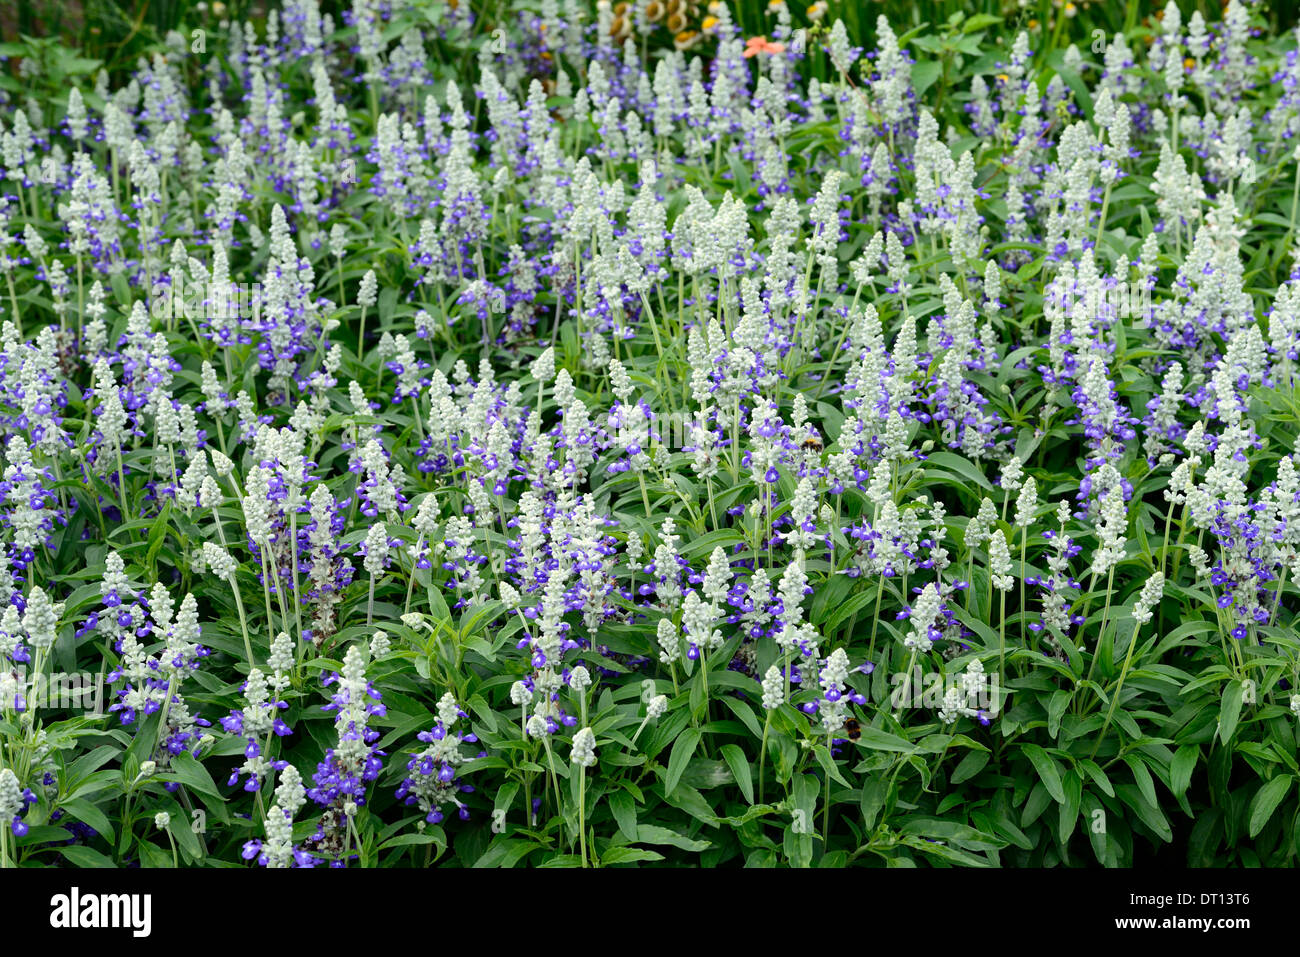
(1114,700)
(243,620)
(762,755)
(582,813)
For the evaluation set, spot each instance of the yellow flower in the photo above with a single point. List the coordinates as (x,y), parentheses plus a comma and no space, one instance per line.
(817,11)
(686,39)
(708,23)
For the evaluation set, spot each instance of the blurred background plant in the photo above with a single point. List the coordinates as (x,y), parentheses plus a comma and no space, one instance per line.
(118,31)
(112,32)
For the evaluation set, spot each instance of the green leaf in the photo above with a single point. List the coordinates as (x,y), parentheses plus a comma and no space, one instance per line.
(406,840)
(873,739)
(745,713)
(688,799)
(947,853)
(823,755)
(628,855)
(1047,771)
(158,534)
(739,764)
(704,544)
(1056,706)
(1266,801)
(1094,818)
(81,856)
(623,807)
(969,766)
(506,796)
(874,791)
(1181,768)
(1230,710)
(1148,814)
(799,844)
(1099,778)
(924,74)
(88,813)
(683,749)
(953,832)
(846,610)
(506,853)
(1069,811)
(654,834)
(1143,778)
(189,772)
(962,466)
(979,22)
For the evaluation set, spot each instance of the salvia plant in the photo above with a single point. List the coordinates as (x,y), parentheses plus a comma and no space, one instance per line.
(514,434)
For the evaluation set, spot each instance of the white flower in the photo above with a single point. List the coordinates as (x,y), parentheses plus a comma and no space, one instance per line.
(448,710)
(584,748)
(368,294)
(1027,503)
(670,648)
(1000,561)
(773,689)
(11,797)
(579,679)
(1149,598)
(376,549)
(41,619)
(543,367)
(219,560)
(924,612)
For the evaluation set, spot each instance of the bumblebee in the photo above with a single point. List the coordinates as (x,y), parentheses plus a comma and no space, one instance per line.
(852,729)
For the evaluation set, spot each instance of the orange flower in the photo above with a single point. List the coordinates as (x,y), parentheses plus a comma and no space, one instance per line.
(756,45)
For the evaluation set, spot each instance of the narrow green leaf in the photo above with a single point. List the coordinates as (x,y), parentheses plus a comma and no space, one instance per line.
(623,807)
(739,764)
(1181,768)
(1047,771)
(1230,710)
(1266,801)
(654,834)
(683,749)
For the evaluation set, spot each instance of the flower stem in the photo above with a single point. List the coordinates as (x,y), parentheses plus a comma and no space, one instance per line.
(582,813)
(1114,700)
